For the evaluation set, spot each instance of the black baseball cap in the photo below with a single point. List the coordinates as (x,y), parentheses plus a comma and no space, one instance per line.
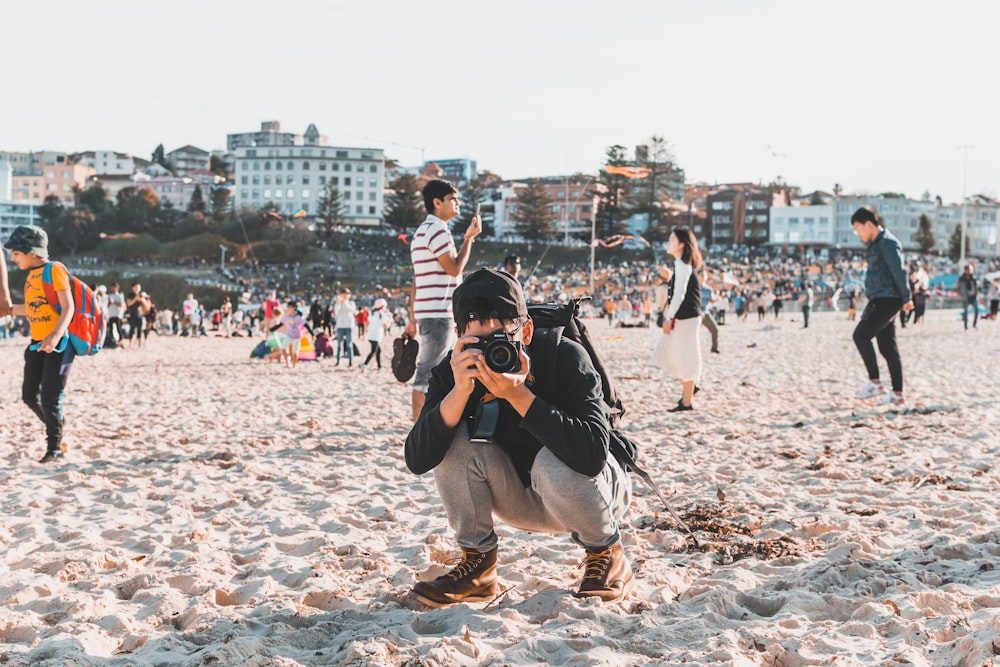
(488,294)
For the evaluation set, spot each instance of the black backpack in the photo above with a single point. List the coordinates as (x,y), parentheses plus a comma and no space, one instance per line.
(555,321)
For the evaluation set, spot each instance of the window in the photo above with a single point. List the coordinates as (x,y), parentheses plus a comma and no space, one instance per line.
(359,196)
(278,194)
(305,180)
(371,210)
(373,168)
(334,180)
(244,180)
(367,155)
(256,180)
(322,166)
(277,180)
(278,166)
(255,194)
(359,209)
(305,166)
(347,166)
(341,153)
(371,196)
(290,166)
(291,193)
(373,182)
(322,180)
(246,165)
(267,179)
(335,166)
(347,194)
(305,207)
(267,194)
(290,180)
(305,194)
(267,165)
(256,166)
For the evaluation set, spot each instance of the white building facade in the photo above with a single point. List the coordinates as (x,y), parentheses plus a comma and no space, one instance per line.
(802,226)
(293,177)
(902,217)
(108,163)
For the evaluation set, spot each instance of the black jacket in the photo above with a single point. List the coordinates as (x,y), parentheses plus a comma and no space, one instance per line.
(568,416)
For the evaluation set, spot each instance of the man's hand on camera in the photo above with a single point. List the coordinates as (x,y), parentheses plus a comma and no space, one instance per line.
(463,364)
(508,386)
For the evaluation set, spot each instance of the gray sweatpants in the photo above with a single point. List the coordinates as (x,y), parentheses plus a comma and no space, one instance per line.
(477,481)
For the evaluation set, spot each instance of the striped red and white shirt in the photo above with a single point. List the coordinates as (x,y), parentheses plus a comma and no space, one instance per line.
(434,286)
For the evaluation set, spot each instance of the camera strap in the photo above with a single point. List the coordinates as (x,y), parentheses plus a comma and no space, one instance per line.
(487,414)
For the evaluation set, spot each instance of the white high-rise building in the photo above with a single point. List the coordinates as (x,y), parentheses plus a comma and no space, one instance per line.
(294,176)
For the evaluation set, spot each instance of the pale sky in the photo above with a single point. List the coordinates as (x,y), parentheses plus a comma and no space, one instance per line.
(874,95)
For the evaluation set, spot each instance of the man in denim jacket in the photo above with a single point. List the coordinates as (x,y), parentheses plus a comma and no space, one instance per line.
(888,291)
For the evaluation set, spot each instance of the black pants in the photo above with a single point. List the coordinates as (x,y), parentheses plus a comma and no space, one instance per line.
(805,316)
(115,327)
(45,375)
(713,329)
(376,352)
(877,322)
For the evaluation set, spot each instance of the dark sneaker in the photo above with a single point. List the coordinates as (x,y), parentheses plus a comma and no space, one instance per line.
(607,574)
(474,579)
(50,456)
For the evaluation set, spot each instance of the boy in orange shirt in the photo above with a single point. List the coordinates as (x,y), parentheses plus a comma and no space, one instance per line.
(49,356)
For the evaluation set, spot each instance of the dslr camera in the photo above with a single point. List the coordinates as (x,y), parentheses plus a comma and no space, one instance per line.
(502,354)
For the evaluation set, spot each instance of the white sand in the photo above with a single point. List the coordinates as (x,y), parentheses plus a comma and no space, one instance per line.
(215,510)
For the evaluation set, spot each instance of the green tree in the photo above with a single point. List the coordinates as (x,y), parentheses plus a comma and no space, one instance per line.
(533,215)
(612,208)
(647,193)
(73,230)
(329,212)
(955,243)
(135,210)
(160,158)
(218,166)
(197,203)
(924,236)
(474,194)
(50,209)
(94,198)
(221,203)
(404,208)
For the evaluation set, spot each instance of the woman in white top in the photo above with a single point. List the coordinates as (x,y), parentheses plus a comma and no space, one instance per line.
(378,321)
(679,349)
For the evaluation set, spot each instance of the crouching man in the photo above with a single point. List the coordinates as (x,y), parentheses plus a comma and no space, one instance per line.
(501,446)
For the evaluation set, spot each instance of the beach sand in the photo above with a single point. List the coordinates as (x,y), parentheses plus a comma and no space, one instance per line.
(218,510)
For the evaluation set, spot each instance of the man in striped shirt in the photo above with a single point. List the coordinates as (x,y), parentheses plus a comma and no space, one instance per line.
(437,270)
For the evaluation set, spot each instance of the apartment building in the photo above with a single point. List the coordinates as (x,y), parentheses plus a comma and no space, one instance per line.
(178,190)
(737,215)
(187,159)
(35,176)
(293,176)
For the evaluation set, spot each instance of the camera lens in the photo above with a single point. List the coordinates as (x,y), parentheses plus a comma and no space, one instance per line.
(501,356)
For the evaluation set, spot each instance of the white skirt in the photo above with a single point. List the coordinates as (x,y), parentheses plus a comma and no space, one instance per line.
(679,353)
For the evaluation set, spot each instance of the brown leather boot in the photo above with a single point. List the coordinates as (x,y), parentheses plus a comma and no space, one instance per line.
(607,574)
(474,579)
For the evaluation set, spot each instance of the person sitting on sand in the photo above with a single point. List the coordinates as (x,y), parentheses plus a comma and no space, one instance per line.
(292,325)
(501,446)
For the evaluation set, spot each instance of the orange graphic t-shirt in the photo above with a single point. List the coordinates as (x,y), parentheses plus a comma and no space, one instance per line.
(42,315)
